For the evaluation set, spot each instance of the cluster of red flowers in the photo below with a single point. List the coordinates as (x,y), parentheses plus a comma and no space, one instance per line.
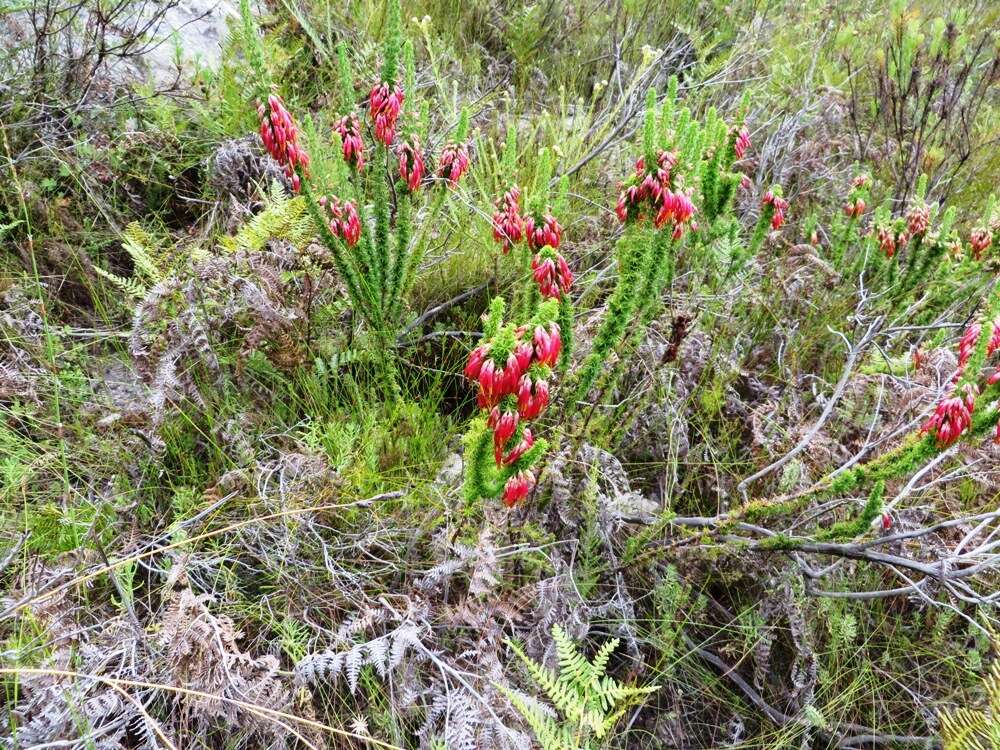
(551,273)
(742,142)
(384,104)
(543,235)
(411,163)
(854,209)
(889,239)
(453,162)
(953,415)
(918,219)
(508,224)
(654,188)
(980,240)
(542,232)
(343,219)
(281,139)
(349,128)
(779,204)
(548,267)
(515,390)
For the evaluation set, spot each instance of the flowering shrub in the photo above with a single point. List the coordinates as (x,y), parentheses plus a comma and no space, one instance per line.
(511,370)
(953,416)
(384,104)
(970,410)
(376,256)
(513,366)
(686,170)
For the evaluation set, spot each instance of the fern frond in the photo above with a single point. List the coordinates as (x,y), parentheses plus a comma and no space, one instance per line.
(590,701)
(131,287)
(283,218)
(144,251)
(550,735)
(969,729)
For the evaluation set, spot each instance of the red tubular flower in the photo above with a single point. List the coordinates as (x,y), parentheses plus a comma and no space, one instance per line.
(861,181)
(745,183)
(779,204)
(994,342)
(742,142)
(552,274)
(886,521)
(548,344)
(518,487)
(349,129)
(523,354)
(281,139)
(487,382)
(980,239)
(544,233)
(526,441)
(886,239)
(508,224)
(475,363)
(343,219)
(967,344)
(411,164)
(453,163)
(855,209)
(351,224)
(674,207)
(918,218)
(628,203)
(384,105)
(504,425)
(532,397)
(512,373)
(952,417)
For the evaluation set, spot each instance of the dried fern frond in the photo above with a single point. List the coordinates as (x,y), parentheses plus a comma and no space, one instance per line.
(384,654)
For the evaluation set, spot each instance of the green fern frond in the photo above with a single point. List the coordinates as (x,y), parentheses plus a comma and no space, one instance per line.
(147,257)
(131,287)
(148,260)
(550,735)
(283,218)
(590,701)
(969,729)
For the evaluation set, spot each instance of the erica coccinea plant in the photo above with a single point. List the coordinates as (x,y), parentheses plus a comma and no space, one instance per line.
(657,207)
(376,200)
(511,371)
(513,367)
(976,382)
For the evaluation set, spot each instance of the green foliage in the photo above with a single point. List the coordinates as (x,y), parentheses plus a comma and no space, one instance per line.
(147,259)
(860,524)
(966,728)
(283,218)
(589,700)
